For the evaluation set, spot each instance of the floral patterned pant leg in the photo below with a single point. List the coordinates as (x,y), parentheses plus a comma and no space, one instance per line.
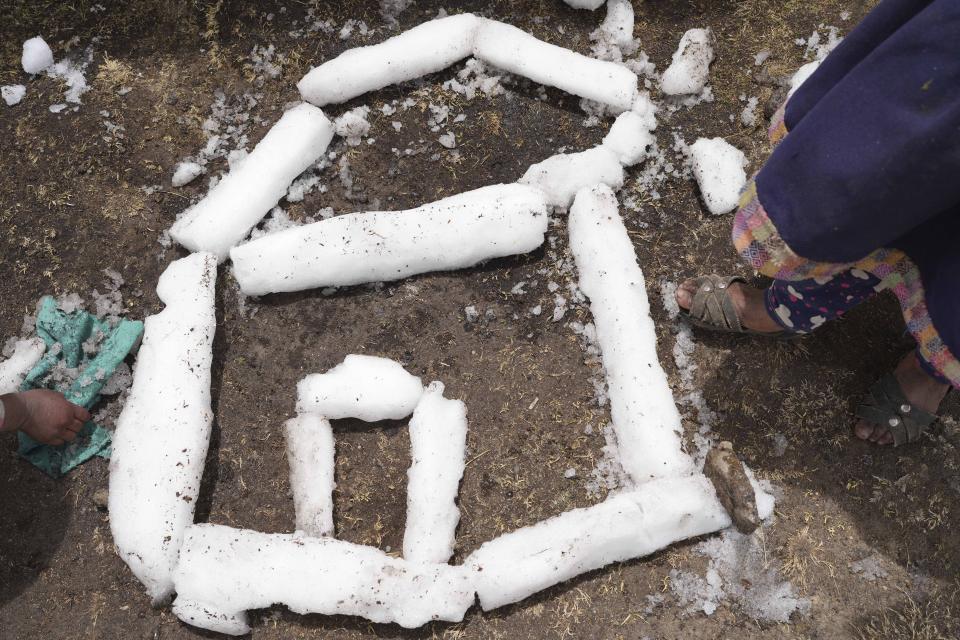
(803,305)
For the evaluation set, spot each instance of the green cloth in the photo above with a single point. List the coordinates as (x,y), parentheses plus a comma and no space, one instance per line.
(65,334)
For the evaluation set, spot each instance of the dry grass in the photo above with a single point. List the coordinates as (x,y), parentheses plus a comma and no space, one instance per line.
(936,618)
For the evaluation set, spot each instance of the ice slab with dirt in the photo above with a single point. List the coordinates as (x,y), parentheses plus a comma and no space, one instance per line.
(631,134)
(424,49)
(629,525)
(645,417)
(26,353)
(310,454)
(369,388)
(454,233)
(562,175)
(719,168)
(186,172)
(511,49)
(160,443)
(438,440)
(690,68)
(437,44)
(36,55)
(223,572)
(251,189)
(630,137)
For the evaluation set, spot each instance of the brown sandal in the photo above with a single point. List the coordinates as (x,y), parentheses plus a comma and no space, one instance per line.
(712,307)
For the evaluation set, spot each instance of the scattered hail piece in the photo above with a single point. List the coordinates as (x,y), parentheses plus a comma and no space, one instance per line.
(37,55)
(225,571)
(690,68)
(26,353)
(238,202)
(438,440)
(355,248)
(310,453)
(645,417)
(718,167)
(186,172)
(353,125)
(161,438)
(12,93)
(592,5)
(629,525)
(439,43)
(365,387)
(561,176)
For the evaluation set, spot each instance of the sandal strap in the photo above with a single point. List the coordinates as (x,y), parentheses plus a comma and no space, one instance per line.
(712,305)
(887,405)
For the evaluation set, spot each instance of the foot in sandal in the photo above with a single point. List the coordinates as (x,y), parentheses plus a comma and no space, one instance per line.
(726,304)
(901,406)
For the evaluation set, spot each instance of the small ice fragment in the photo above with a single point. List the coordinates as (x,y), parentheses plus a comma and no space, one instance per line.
(353,125)
(570,473)
(186,172)
(448,140)
(13,93)
(761,57)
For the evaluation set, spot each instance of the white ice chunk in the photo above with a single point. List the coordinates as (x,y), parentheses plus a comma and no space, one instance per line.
(26,354)
(562,175)
(508,48)
(365,387)
(630,136)
(690,68)
(438,440)
(645,418)
(453,233)
(13,93)
(718,167)
(592,5)
(225,571)
(186,172)
(801,76)
(310,453)
(424,49)
(618,23)
(628,525)
(437,44)
(37,55)
(248,192)
(161,438)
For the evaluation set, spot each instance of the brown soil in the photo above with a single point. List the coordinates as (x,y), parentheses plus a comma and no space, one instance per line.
(71,204)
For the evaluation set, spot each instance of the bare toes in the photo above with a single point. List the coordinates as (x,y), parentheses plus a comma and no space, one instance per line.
(685,293)
(864,430)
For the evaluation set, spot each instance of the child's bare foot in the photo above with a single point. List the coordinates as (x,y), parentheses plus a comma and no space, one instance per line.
(748,301)
(923,392)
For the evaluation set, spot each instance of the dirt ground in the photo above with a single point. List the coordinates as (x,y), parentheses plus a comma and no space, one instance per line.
(72,202)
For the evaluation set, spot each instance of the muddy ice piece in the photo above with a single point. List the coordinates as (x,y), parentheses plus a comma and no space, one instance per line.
(733,488)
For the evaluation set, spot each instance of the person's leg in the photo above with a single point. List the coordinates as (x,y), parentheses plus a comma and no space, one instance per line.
(804,305)
(922,385)
(799,306)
